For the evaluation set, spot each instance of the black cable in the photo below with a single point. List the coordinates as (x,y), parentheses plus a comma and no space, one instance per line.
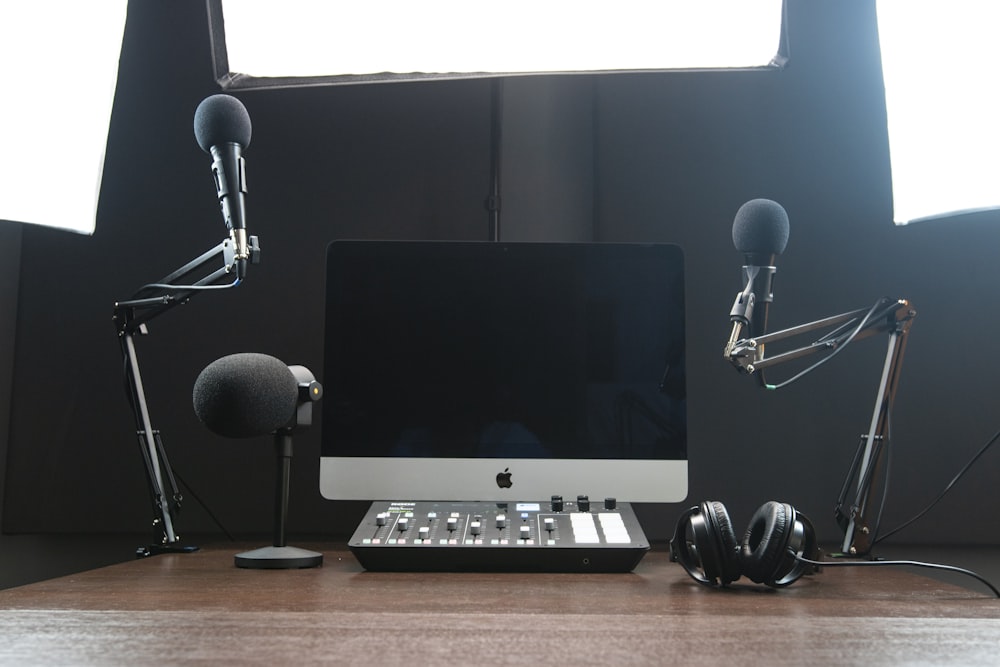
(184,288)
(880,449)
(886,444)
(204,506)
(836,351)
(130,394)
(948,488)
(913,563)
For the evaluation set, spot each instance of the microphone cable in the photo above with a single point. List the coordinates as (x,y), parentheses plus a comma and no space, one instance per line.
(961,473)
(126,374)
(912,563)
(204,506)
(837,349)
(167,287)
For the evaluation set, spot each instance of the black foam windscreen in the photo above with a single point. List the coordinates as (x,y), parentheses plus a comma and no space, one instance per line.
(221,119)
(761,228)
(245,395)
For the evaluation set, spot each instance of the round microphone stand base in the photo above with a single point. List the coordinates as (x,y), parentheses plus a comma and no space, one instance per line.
(279,558)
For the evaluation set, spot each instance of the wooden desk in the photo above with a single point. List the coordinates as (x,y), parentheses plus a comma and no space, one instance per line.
(178,609)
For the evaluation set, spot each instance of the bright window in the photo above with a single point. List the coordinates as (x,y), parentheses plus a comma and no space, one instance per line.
(941,65)
(310,38)
(59,68)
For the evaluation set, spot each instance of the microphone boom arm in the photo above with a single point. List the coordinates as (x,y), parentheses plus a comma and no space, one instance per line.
(747,354)
(892,316)
(130,318)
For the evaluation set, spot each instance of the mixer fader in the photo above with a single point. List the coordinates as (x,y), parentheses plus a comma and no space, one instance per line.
(550,536)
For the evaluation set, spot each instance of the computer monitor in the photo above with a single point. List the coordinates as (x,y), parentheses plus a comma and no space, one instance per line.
(490,371)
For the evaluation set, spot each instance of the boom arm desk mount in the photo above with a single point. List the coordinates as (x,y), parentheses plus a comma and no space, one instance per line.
(892,316)
(130,318)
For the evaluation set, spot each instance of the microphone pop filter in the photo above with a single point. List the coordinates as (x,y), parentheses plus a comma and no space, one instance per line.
(245,395)
(221,119)
(761,228)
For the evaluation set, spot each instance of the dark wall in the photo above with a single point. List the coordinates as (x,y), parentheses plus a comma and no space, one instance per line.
(10,271)
(677,156)
(656,157)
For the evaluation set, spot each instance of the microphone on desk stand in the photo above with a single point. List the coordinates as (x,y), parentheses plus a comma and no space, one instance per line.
(249,394)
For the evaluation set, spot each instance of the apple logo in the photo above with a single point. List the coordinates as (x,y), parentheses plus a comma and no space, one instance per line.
(503,479)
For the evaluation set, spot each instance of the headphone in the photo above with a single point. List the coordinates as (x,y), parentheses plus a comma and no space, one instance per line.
(778,536)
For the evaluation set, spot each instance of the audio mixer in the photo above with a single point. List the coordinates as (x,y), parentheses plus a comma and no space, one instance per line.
(550,536)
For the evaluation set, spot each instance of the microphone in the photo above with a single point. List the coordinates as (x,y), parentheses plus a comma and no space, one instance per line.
(246,395)
(222,128)
(760,232)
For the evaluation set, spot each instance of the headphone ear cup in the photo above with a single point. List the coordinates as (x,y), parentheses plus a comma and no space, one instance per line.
(765,542)
(730,565)
(705,545)
(776,530)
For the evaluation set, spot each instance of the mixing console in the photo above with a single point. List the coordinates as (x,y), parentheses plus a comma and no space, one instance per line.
(554,536)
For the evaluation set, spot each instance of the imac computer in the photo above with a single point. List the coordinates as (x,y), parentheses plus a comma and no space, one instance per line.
(492,371)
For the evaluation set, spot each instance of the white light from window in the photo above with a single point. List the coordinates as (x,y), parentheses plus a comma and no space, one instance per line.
(326,38)
(58,69)
(941,66)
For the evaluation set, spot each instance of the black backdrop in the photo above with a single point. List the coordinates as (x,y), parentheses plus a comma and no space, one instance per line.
(651,157)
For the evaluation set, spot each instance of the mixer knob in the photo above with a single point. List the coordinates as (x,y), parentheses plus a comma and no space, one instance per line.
(501,520)
(550,524)
(403,524)
(424,532)
(525,533)
(557,504)
(583,503)
(380,518)
(452,523)
(610,503)
(475,527)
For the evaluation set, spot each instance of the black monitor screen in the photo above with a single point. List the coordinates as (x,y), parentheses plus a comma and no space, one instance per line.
(504,350)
